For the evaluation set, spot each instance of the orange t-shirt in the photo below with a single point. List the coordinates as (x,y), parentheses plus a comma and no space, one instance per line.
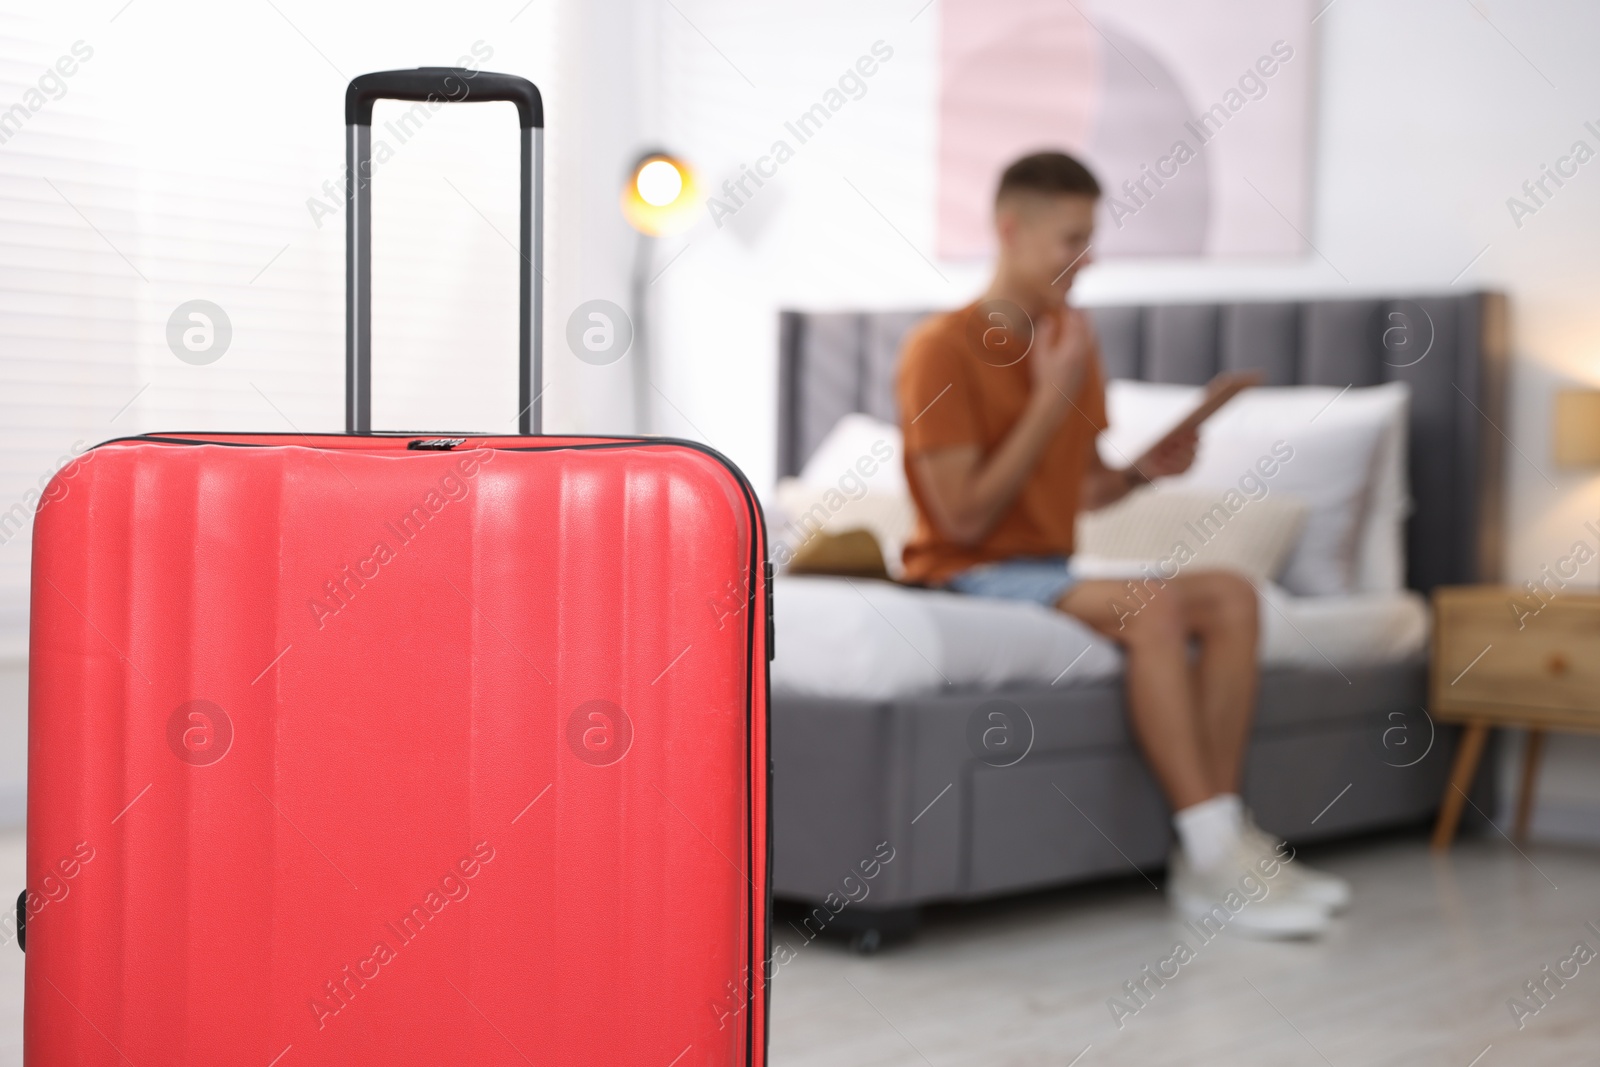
(953,392)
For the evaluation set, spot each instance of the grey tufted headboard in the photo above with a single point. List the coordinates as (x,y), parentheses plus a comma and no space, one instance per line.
(1452,349)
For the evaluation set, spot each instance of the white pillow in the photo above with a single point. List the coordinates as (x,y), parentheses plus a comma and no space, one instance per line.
(855,480)
(1321,444)
(854,439)
(1176,529)
(1381,555)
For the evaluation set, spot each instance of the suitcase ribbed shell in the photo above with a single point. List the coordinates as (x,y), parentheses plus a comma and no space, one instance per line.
(391,756)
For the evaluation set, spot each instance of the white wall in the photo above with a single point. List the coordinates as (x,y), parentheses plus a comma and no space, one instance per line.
(1427,120)
(604,65)
(1430,115)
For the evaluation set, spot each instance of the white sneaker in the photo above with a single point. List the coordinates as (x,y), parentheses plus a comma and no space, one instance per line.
(1294,877)
(1236,896)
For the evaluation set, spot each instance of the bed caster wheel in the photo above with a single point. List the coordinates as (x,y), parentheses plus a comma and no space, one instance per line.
(866,942)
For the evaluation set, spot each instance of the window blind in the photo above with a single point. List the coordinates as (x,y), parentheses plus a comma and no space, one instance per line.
(158,155)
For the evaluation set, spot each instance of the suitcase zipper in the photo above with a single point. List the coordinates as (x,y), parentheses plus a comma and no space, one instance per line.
(772,627)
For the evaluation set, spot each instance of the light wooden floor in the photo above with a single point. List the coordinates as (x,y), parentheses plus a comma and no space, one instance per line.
(1417,975)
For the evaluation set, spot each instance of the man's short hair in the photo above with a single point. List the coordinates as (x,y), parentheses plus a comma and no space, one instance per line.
(1047,173)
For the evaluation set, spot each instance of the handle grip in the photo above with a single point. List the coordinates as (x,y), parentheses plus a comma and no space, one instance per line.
(453,84)
(447,84)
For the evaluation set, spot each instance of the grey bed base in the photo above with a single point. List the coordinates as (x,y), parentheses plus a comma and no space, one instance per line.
(1335,751)
(851,775)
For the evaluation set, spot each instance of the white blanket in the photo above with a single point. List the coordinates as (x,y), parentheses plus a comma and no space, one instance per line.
(840,637)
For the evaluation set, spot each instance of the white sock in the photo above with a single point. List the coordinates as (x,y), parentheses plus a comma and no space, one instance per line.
(1209,830)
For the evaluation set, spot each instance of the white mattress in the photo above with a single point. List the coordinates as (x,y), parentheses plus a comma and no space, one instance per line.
(840,637)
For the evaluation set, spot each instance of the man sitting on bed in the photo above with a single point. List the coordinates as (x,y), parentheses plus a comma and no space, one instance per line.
(1000,455)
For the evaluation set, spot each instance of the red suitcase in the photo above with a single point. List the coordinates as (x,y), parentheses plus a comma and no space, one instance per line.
(399,749)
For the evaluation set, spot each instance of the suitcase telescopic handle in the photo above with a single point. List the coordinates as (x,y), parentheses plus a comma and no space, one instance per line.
(444,85)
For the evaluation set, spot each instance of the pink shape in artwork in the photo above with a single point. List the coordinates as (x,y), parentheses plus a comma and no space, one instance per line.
(1015,77)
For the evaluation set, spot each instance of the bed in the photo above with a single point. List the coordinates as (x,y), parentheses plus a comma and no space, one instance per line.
(876,687)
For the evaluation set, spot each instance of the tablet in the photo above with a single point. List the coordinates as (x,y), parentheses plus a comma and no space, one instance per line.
(1219,390)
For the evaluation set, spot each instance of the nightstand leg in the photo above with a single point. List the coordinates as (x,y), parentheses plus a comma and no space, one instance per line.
(1461,775)
(1531,754)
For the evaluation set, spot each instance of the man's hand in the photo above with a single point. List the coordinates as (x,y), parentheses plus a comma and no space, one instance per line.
(967,491)
(1061,347)
(1171,455)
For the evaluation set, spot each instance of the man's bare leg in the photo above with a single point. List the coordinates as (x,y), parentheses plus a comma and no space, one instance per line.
(1192,721)
(1220,609)
(1161,704)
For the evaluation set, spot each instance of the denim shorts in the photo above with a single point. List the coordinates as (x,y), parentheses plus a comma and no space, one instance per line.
(1043,579)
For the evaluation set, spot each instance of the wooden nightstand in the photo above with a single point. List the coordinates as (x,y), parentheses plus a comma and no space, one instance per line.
(1502,659)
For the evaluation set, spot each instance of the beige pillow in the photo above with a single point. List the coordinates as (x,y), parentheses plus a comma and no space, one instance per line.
(1187,529)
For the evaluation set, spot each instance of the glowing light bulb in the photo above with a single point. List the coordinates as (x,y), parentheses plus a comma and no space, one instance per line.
(659,183)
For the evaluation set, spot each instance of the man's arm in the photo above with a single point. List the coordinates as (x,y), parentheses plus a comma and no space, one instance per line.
(1104,485)
(965,491)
